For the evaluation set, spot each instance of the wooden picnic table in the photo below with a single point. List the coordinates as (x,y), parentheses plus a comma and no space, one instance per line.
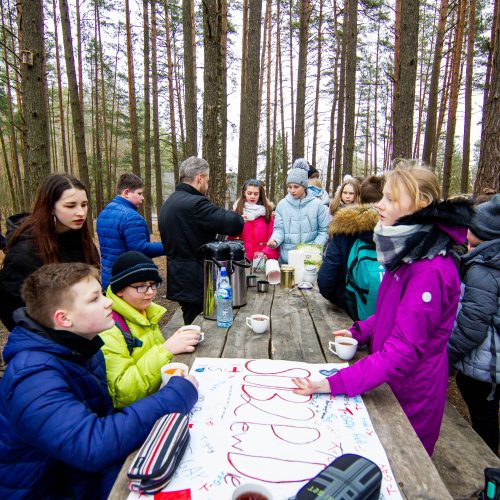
(301,326)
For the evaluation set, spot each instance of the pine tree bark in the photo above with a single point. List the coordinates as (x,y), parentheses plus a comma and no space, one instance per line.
(489,156)
(249,113)
(134,136)
(300,110)
(405,76)
(190,106)
(76,108)
(318,83)
(35,95)
(147,116)
(268,95)
(454,90)
(214,102)
(430,123)
(464,178)
(350,85)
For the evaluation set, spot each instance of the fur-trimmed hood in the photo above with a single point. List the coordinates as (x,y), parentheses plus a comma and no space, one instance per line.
(353,220)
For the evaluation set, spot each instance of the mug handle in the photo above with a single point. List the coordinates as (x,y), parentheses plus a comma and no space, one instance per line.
(247,320)
(331,347)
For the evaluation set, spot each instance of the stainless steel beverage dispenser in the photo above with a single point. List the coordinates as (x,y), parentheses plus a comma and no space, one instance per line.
(238,278)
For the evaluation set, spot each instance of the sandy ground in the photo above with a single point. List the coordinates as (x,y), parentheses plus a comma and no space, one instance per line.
(453,391)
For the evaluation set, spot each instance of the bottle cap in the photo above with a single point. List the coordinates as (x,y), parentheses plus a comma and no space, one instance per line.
(223,271)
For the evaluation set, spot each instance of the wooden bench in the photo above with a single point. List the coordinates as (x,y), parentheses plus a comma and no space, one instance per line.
(460,456)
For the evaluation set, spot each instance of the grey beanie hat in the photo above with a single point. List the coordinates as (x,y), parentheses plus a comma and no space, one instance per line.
(298,173)
(486,221)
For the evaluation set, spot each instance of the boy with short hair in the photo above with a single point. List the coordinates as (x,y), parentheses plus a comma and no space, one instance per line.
(120,227)
(59,434)
(134,349)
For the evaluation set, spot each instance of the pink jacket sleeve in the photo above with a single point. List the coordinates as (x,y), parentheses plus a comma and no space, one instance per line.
(271,253)
(362,330)
(405,346)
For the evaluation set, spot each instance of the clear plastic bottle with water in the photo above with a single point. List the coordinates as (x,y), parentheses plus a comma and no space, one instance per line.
(224,298)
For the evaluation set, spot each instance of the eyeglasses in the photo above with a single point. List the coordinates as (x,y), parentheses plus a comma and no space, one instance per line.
(145,288)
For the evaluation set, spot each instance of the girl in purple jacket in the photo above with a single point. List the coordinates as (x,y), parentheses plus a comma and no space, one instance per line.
(416,305)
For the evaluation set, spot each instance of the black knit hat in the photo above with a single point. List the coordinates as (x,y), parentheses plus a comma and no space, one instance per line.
(312,171)
(486,221)
(132,267)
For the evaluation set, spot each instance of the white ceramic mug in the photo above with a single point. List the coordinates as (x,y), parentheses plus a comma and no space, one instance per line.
(344,347)
(196,328)
(258,323)
(273,271)
(244,490)
(171,370)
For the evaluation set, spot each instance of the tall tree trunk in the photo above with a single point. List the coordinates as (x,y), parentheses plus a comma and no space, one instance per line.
(190,78)
(292,57)
(134,136)
(300,110)
(114,132)
(76,107)
(464,178)
(489,155)
(214,99)
(318,82)
(79,49)
(147,118)
(59,91)
(268,96)
(350,85)
(15,201)
(35,97)
(430,123)
(375,103)
(406,73)
(270,184)
(284,151)
(249,114)
(171,96)
(340,114)
(156,123)
(454,90)
(178,93)
(265,43)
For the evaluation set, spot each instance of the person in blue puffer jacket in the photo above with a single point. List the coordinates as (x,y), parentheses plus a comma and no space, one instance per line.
(59,434)
(300,216)
(121,228)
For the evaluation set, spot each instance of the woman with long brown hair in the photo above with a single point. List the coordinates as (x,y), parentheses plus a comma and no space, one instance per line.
(57,230)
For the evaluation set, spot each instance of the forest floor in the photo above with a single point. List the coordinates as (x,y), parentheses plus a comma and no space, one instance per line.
(453,392)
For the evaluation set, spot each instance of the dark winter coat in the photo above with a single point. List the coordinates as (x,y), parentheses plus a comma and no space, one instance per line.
(22,260)
(59,434)
(121,228)
(348,224)
(187,221)
(474,346)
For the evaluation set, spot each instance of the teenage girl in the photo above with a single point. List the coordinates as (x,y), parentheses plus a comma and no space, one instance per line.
(257,212)
(416,304)
(347,194)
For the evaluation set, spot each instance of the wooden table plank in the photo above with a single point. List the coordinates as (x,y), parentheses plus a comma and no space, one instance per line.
(461,456)
(293,336)
(242,342)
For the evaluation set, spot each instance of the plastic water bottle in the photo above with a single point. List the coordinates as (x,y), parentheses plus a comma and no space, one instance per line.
(224,297)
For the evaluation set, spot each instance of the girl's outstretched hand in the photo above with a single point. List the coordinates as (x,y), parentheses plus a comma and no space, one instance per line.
(306,386)
(342,333)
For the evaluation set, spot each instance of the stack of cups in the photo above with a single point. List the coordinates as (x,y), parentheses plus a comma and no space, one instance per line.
(296,260)
(273,271)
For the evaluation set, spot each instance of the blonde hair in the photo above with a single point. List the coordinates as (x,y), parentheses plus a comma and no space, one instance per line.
(337,199)
(315,182)
(420,183)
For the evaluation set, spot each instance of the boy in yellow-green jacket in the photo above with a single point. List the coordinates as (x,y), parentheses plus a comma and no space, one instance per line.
(134,349)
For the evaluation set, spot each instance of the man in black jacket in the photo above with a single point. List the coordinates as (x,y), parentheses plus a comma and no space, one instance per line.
(187,221)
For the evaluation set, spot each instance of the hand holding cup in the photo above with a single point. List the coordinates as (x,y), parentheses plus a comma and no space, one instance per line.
(183,340)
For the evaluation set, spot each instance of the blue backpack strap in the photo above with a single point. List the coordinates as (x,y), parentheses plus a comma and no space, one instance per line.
(130,340)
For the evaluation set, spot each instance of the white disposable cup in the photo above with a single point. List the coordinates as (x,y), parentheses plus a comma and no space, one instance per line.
(344,347)
(273,271)
(172,370)
(251,488)
(196,328)
(258,322)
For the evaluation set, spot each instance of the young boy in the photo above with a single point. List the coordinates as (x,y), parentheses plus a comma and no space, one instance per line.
(134,349)
(120,227)
(59,434)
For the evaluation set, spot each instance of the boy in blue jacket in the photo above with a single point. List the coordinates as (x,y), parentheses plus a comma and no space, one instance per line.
(59,434)
(121,228)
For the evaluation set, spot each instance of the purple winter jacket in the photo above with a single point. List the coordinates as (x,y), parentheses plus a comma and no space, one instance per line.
(407,337)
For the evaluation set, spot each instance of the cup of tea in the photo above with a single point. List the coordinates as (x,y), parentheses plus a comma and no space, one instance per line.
(172,370)
(251,491)
(258,323)
(195,328)
(344,347)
